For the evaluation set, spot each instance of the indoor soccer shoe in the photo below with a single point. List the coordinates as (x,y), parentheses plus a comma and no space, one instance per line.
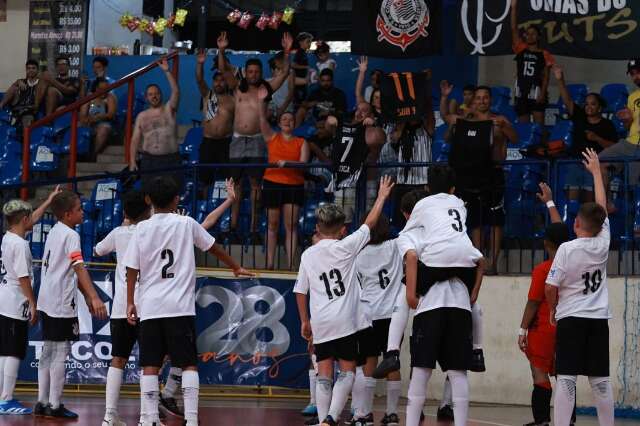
(365,421)
(113,421)
(171,406)
(13,407)
(390,420)
(445,414)
(389,364)
(310,410)
(38,409)
(329,422)
(59,413)
(477,361)
(313,421)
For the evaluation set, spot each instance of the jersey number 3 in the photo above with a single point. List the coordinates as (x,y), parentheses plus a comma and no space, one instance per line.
(457,223)
(592,281)
(167,254)
(336,276)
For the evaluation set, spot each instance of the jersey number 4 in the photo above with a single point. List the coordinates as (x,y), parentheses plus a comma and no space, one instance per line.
(167,255)
(336,276)
(592,281)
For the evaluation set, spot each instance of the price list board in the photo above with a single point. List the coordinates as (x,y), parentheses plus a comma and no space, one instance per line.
(58,28)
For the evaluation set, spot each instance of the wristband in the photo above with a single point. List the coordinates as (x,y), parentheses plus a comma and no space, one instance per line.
(522,332)
(550,204)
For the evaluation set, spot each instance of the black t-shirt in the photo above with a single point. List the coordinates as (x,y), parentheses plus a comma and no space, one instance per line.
(301,58)
(603,128)
(470,156)
(530,73)
(331,102)
(73,82)
(349,153)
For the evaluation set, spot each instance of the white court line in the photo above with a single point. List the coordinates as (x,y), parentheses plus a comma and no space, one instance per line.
(475,421)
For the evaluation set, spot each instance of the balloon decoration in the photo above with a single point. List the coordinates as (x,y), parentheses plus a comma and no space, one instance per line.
(157,27)
(244,19)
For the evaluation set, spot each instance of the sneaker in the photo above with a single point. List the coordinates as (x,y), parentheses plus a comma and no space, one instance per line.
(313,421)
(538,424)
(390,363)
(113,421)
(390,420)
(477,361)
(38,409)
(329,422)
(364,421)
(60,412)
(445,414)
(171,406)
(310,410)
(13,407)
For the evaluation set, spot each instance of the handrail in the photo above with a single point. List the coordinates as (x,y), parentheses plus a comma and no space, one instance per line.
(75,107)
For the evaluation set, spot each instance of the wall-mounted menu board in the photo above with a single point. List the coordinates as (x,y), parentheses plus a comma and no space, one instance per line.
(58,28)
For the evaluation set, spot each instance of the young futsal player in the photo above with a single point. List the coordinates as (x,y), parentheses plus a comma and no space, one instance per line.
(63,274)
(537,336)
(578,297)
(380,271)
(17,301)
(327,271)
(160,257)
(436,234)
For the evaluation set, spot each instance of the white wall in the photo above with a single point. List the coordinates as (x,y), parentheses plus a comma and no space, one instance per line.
(15,35)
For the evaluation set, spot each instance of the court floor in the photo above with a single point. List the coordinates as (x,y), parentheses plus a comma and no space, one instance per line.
(255,412)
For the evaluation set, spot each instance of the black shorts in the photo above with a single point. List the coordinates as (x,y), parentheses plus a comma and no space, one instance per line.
(214,151)
(344,348)
(493,213)
(484,207)
(238,172)
(372,341)
(173,336)
(59,329)
(275,195)
(582,347)
(123,337)
(524,106)
(442,335)
(14,335)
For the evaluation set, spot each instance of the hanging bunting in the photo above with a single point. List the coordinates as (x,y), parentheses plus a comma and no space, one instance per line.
(244,19)
(157,27)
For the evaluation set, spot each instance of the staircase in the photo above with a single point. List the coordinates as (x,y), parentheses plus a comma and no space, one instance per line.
(110,161)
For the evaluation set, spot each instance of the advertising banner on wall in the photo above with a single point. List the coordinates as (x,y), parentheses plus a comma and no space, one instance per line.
(248,334)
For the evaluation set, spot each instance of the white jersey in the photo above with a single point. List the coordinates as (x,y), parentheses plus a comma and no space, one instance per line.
(58,280)
(441,219)
(380,272)
(117,241)
(579,270)
(162,250)
(444,294)
(15,263)
(328,273)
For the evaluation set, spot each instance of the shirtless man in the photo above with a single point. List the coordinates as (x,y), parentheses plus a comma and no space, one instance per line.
(217,117)
(490,207)
(247,144)
(154,134)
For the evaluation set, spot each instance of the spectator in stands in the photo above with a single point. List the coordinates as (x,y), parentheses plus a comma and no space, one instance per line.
(301,68)
(533,63)
(283,189)
(62,90)
(374,84)
(478,148)
(100,66)
(468,92)
(374,96)
(323,60)
(100,115)
(324,101)
(281,100)
(25,96)
(217,121)
(247,143)
(154,133)
(590,130)
(630,117)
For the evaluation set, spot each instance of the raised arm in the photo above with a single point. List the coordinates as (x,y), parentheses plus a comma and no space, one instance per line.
(449,117)
(213,217)
(224,257)
(564,92)
(265,127)
(279,79)
(39,212)
(592,163)
(202,86)
(386,184)
(223,43)
(175,90)
(515,34)
(546,196)
(363,63)
(287,101)
(135,143)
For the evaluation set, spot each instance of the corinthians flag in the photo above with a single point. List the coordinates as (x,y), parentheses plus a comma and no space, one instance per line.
(396,28)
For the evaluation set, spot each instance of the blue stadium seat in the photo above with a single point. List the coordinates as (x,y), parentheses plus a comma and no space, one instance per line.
(563,131)
(38,235)
(578,93)
(61,124)
(616,95)
(5,116)
(43,148)
(105,197)
(529,136)
(10,159)
(500,96)
(84,141)
(190,148)
(88,237)
(217,195)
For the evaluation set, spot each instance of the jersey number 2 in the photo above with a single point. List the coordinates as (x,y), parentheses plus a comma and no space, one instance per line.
(592,281)
(168,255)
(336,276)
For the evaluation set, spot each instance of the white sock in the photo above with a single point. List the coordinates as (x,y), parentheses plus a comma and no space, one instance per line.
(399,319)
(150,389)
(417,394)
(2,360)
(11,365)
(460,395)
(564,400)
(190,392)
(341,391)
(114,381)
(44,372)
(312,387)
(323,396)
(143,408)
(357,393)
(369,390)
(476,323)
(173,382)
(57,372)
(394,388)
(603,397)
(446,393)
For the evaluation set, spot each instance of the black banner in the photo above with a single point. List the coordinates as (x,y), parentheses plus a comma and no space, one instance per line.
(597,29)
(58,28)
(396,28)
(404,96)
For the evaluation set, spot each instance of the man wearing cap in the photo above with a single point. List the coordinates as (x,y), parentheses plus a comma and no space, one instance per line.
(217,119)
(630,117)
